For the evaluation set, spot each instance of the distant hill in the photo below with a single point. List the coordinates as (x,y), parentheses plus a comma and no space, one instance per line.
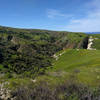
(92,32)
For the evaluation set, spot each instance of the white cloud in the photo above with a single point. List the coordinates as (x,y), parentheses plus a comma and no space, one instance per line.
(52,13)
(90,23)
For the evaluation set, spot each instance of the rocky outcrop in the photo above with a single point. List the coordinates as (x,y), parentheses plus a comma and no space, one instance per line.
(14,40)
(5,93)
(91,39)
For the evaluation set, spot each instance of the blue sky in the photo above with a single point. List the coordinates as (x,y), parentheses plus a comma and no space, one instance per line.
(62,15)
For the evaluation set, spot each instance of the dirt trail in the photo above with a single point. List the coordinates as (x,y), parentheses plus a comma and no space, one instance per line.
(57,56)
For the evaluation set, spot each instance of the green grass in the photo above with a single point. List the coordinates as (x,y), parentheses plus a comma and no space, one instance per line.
(83,64)
(96,42)
(1,67)
(76,37)
(73,58)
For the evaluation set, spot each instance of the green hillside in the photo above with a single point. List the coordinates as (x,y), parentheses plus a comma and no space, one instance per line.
(96,42)
(28,52)
(49,65)
(83,64)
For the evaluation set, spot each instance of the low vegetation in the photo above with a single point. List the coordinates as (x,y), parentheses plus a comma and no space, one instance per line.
(96,42)
(49,65)
(29,52)
(66,91)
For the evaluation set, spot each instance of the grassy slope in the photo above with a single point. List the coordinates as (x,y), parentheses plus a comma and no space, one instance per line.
(84,64)
(96,42)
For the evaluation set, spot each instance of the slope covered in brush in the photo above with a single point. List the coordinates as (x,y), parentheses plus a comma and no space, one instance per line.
(29,51)
(96,42)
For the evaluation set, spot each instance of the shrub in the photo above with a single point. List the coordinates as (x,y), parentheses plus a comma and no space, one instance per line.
(40,92)
(66,91)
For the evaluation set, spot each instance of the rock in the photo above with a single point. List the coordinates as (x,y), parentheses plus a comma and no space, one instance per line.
(33,81)
(90,44)
(5,93)
(14,40)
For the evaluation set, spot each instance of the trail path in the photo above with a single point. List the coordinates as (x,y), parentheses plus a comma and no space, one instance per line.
(57,56)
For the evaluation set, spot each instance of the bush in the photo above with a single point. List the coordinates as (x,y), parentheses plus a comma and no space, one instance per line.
(40,92)
(66,91)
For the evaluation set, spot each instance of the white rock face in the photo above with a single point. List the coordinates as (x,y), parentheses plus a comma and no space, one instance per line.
(55,56)
(33,81)
(90,43)
(4,92)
